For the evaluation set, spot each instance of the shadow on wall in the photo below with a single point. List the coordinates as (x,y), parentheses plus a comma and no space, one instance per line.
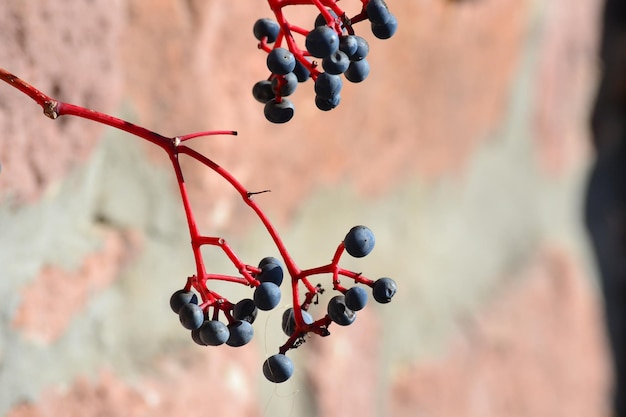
(606,194)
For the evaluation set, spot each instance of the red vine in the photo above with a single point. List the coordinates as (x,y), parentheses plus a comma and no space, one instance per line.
(173,147)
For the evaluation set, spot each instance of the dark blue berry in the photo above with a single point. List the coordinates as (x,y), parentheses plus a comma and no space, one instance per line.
(289,320)
(288,84)
(336,63)
(326,104)
(348,45)
(385,30)
(362,49)
(191,316)
(266,296)
(280,61)
(271,273)
(263,91)
(266,28)
(302,73)
(195,336)
(180,298)
(322,41)
(356,298)
(241,333)
(359,241)
(245,310)
(384,289)
(377,11)
(214,333)
(279,112)
(327,85)
(357,71)
(339,312)
(278,368)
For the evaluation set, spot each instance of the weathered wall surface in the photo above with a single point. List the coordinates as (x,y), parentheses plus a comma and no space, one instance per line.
(465,151)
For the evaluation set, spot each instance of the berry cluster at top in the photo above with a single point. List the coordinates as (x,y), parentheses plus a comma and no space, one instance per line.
(198,307)
(332,40)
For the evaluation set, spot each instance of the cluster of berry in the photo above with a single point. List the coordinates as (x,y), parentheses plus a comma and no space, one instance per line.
(207,330)
(332,40)
(297,322)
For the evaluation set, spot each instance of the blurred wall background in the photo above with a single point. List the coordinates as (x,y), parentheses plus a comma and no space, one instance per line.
(466,151)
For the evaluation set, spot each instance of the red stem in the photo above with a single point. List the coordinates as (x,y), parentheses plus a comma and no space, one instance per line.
(173,147)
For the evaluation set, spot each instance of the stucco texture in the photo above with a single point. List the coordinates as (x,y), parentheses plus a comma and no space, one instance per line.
(466,151)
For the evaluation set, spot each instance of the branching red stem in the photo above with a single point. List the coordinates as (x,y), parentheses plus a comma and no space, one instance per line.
(174,147)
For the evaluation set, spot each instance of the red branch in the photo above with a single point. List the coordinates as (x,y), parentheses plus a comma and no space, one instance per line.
(173,147)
